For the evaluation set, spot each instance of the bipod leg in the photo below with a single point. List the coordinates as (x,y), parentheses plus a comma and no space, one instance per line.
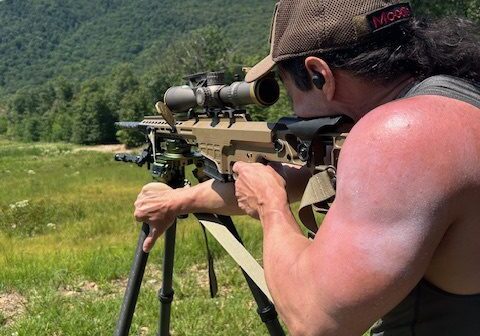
(133,287)
(165,294)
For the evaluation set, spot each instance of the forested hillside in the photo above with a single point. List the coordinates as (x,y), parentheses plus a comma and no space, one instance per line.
(42,39)
(69,68)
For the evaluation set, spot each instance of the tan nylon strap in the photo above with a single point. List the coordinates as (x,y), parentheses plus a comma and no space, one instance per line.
(237,251)
(319,190)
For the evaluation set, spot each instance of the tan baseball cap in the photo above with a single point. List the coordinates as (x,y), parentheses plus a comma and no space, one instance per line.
(305,27)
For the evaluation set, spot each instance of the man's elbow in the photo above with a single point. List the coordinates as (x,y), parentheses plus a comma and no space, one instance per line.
(307,330)
(317,326)
(302,330)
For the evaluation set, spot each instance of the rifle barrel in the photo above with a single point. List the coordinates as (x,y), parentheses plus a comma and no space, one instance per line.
(127,124)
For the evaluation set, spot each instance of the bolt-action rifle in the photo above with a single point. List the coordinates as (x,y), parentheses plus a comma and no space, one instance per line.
(205,123)
(208,118)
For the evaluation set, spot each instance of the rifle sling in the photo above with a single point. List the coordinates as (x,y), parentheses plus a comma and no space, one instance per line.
(212,277)
(318,192)
(236,250)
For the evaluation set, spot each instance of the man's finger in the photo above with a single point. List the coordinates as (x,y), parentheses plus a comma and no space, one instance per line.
(277,166)
(279,169)
(139,216)
(237,166)
(150,240)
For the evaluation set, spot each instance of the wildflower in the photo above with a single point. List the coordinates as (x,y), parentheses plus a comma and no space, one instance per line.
(20,204)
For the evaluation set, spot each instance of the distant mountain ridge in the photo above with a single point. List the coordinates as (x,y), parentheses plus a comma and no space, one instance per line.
(79,39)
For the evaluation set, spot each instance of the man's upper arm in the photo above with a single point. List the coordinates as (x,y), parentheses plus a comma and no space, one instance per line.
(385,224)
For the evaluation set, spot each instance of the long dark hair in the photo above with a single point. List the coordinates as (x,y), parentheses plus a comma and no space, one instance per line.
(419,47)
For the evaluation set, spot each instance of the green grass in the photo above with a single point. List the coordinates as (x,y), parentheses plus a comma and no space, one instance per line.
(67,237)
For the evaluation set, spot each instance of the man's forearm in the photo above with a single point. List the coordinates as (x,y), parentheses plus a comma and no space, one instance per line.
(217,197)
(288,279)
(210,197)
(283,243)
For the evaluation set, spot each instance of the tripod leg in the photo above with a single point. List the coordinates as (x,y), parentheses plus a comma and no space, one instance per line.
(165,294)
(266,309)
(133,287)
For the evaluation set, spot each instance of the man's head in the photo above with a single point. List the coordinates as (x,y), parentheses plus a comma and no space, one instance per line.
(312,39)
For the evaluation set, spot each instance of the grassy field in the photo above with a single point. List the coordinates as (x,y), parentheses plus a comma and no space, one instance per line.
(67,238)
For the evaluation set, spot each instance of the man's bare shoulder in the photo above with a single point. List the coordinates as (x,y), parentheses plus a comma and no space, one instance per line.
(411,151)
(428,111)
(424,122)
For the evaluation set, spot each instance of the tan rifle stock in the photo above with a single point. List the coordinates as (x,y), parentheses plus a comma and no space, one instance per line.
(248,141)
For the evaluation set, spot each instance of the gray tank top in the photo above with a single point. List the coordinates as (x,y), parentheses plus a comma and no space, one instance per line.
(428,310)
(446,86)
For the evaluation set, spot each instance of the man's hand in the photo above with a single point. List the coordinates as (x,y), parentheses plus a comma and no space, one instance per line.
(259,187)
(154,207)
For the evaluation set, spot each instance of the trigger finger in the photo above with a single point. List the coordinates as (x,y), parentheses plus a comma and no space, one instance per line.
(279,169)
(277,166)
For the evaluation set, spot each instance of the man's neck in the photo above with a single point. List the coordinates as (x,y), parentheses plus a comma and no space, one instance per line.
(360,96)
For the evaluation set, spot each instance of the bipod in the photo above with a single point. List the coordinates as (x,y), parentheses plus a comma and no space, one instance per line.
(170,169)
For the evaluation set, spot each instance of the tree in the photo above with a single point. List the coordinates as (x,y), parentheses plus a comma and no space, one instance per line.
(3,124)
(93,121)
(466,8)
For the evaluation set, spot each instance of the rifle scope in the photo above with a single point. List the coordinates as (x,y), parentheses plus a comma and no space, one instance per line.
(211,92)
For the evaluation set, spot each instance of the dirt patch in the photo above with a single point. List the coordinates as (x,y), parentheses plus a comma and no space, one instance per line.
(144,331)
(152,280)
(119,285)
(106,149)
(203,280)
(12,307)
(84,287)
(201,276)
(115,287)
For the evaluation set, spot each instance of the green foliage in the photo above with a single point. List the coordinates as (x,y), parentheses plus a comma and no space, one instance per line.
(466,8)
(93,120)
(3,124)
(30,218)
(81,39)
(70,69)
(204,49)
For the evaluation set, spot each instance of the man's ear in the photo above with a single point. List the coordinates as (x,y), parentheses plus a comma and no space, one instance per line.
(315,66)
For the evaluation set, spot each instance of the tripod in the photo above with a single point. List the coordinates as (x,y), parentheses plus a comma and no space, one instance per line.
(169,167)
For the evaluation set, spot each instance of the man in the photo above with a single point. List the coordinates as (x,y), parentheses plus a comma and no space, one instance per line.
(401,238)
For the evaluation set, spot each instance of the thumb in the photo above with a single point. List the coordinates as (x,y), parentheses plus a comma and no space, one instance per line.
(151,239)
